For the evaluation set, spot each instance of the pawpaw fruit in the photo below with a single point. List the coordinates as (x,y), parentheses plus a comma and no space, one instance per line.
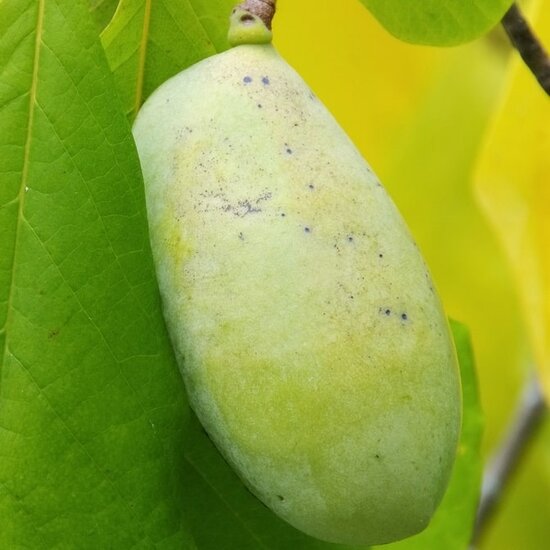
(313,345)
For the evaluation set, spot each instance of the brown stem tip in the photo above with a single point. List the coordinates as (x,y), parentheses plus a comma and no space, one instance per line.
(528,45)
(264,9)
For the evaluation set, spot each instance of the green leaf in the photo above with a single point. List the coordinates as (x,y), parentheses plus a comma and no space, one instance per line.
(102,11)
(438,22)
(92,408)
(452,525)
(149,41)
(223,514)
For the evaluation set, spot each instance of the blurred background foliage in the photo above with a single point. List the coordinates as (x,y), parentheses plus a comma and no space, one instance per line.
(512,186)
(420,116)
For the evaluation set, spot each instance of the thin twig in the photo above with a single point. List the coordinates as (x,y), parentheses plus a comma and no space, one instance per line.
(522,430)
(528,45)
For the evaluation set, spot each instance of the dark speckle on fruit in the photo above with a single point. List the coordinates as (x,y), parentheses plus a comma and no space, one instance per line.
(280,497)
(259,105)
(265,80)
(350,238)
(247,79)
(311,186)
(307,229)
(404,316)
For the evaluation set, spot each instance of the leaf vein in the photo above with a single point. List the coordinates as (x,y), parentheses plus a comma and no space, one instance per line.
(25,168)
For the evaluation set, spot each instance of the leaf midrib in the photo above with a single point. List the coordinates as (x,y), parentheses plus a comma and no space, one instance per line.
(24,171)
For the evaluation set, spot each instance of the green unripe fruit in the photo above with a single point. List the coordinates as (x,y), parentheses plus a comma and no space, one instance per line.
(314,349)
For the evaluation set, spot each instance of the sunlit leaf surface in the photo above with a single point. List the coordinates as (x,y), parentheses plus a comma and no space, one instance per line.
(92,408)
(149,41)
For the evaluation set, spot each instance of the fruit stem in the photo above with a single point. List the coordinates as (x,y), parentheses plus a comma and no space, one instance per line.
(250,22)
(264,9)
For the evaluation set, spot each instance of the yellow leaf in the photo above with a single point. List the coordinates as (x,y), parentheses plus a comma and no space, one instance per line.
(513,187)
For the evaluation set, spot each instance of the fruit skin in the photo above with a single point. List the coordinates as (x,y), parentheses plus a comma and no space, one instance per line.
(314,349)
